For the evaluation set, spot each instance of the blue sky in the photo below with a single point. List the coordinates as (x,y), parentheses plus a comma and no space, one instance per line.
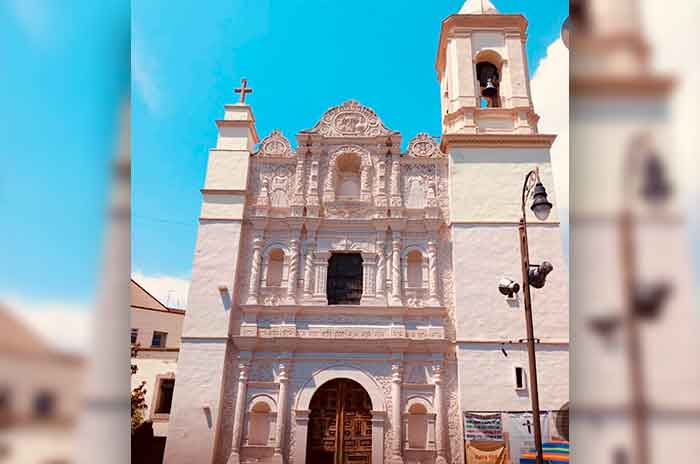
(60,100)
(301,57)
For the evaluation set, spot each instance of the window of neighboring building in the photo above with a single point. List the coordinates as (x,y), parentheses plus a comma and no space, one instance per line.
(159,339)
(165,396)
(275,268)
(134,336)
(44,405)
(344,284)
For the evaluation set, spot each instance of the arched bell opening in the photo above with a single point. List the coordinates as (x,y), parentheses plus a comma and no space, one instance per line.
(488,74)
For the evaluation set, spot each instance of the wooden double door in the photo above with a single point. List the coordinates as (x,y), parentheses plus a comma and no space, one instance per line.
(340,425)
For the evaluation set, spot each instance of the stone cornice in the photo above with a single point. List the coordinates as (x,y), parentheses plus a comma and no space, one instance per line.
(236,123)
(345,310)
(497,141)
(340,345)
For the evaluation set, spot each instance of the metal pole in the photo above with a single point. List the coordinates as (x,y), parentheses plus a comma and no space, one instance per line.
(525,261)
(632,341)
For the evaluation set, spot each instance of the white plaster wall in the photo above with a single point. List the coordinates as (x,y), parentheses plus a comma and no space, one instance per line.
(215,264)
(222,206)
(195,413)
(482,255)
(486,183)
(146,321)
(228,166)
(486,377)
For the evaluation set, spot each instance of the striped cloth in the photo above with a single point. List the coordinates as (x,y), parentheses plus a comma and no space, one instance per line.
(554,452)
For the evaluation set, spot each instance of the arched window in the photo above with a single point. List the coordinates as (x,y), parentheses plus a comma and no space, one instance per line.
(348,176)
(417,433)
(260,424)
(275,268)
(414,261)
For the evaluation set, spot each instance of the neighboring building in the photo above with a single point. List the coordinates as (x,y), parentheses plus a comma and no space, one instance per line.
(344,303)
(39,397)
(635,398)
(156,330)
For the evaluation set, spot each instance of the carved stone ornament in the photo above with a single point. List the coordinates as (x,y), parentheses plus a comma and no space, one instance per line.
(275,145)
(424,146)
(350,119)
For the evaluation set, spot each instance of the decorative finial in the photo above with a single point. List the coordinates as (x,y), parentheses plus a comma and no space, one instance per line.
(243,89)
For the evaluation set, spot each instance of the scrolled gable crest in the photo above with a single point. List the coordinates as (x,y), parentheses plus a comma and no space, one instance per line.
(351,119)
(275,145)
(424,146)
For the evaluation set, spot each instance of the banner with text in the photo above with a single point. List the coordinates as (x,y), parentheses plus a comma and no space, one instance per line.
(521,433)
(487,453)
(483,427)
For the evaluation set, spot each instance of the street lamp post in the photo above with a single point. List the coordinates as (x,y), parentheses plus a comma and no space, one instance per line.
(533,275)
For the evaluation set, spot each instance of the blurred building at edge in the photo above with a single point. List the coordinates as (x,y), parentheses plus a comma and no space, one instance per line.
(155,339)
(39,397)
(634,376)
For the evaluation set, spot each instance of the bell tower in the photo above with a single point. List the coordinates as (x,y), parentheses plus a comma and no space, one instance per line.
(492,141)
(482,69)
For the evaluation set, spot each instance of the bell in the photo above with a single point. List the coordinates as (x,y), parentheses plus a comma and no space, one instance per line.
(490,90)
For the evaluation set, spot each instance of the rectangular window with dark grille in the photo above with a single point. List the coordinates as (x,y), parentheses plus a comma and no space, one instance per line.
(134,336)
(159,339)
(344,285)
(165,396)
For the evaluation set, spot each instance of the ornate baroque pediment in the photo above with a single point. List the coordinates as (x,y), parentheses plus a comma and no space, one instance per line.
(351,119)
(424,146)
(275,145)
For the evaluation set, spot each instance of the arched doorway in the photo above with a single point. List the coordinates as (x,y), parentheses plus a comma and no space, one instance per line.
(340,424)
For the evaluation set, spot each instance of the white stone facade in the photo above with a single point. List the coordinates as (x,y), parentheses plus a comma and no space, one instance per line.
(435,227)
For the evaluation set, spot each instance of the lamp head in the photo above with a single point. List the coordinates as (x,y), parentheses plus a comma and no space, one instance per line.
(540,205)
(537,275)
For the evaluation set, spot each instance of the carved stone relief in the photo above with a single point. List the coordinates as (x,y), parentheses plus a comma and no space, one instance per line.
(275,145)
(424,146)
(350,119)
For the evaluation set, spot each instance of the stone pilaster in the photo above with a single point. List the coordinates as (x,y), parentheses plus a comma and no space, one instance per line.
(239,413)
(396,269)
(396,408)
(440,422)
(381,265)
(365,191)
(256,263)
(309,248)
(369,280)
(396,202)
(293,266)
(433,298)
(321,275)
(280,448)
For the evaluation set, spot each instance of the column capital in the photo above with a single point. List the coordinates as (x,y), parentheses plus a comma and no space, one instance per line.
(243,371)
(438,371)
(284,373)
(396,372)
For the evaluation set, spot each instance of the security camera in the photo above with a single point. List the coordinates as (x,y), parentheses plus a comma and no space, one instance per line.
(508,287)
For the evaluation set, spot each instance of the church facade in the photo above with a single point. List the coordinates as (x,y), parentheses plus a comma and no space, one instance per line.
(344,304)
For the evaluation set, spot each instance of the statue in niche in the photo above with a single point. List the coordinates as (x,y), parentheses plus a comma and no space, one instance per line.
(280,186)
(416,194)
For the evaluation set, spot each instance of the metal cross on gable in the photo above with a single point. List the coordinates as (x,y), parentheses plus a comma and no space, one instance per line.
(243,89)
